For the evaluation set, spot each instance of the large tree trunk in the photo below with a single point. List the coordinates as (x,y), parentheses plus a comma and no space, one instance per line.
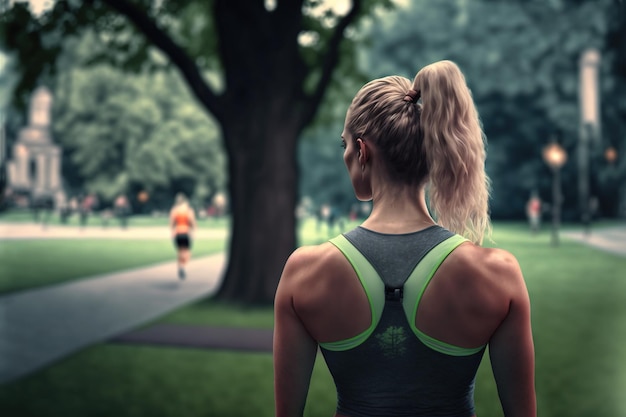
(262,119)
(263,188)
(262,112)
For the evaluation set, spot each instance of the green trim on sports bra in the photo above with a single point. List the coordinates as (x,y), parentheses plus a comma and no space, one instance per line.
(374,289)
(413,290)
(415,287)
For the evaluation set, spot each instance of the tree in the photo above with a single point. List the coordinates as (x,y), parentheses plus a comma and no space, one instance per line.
(271,86)
(324,178)
(521,62)
(161,144)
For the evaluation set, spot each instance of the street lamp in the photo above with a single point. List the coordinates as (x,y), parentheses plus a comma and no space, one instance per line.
(143,196)
(555,156)
(610,154)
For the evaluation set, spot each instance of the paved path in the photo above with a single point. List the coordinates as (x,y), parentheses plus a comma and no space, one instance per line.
(612,239)
(41,326)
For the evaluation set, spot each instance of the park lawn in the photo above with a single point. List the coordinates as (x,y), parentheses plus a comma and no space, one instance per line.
(32,263)
(578,297)
(23,216)
(121,380)
(27,264)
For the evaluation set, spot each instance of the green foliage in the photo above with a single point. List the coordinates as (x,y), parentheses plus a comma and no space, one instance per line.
(91,96)
(35,43)
(324,177)
(121,133)
(520,58)
(521,63)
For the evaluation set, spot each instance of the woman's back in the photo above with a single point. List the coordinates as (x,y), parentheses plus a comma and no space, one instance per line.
(462,305)
(459,310)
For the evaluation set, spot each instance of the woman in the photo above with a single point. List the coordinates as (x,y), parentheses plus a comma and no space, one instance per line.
(182,222)
(404,306)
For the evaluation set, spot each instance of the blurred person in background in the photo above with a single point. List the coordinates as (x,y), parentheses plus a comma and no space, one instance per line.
(533,212)
(121,209)
(403,307)
(86,205)
(183,223)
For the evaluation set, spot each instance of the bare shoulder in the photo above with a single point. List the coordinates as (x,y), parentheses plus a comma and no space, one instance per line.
(320,287)
(307,263)
(494,258)
(495,268)
(306,257)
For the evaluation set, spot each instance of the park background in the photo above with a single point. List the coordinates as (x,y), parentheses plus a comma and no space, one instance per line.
(250,111)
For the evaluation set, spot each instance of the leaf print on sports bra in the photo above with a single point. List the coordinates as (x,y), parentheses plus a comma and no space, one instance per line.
(392,341)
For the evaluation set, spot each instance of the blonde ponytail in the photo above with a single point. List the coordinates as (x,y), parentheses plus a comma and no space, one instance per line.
(455,151)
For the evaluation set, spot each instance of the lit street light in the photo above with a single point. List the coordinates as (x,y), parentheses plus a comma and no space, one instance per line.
(610,154)
(555,156)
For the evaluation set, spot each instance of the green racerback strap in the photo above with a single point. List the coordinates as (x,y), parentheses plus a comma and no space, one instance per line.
(373,286)
(415,286)
(413,291)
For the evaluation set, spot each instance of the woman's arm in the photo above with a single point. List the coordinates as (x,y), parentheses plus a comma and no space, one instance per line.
(294,348)
(192,220)
(511,348)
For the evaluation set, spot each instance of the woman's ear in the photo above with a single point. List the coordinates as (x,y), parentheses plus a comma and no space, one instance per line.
(363,151)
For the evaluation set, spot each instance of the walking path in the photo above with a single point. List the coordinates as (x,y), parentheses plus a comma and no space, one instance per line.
(42,326)
(611,239)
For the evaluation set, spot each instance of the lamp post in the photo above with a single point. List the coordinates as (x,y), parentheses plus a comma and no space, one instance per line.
(555,156)
(589,127)
(610,154)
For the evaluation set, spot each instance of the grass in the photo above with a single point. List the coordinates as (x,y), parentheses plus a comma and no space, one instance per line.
(112,380)
(95,220)
(63,260)
(216,313)
(578,297)
(27,264)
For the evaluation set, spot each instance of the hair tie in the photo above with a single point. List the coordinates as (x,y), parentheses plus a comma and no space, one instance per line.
(412,96)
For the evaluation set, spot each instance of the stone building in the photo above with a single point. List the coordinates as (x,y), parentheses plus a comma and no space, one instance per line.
(34,172)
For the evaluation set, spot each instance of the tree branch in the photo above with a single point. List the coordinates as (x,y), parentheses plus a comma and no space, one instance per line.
(330,62)
(177,55)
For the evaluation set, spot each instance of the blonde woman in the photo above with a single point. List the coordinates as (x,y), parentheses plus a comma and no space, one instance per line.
(183,223)
(404,306)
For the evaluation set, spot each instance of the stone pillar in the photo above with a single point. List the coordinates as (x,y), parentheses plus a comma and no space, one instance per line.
(54,168)
(41,164)
(11,173)
(22,159)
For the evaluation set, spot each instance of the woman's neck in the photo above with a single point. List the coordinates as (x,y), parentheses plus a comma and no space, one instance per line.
(399,210)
